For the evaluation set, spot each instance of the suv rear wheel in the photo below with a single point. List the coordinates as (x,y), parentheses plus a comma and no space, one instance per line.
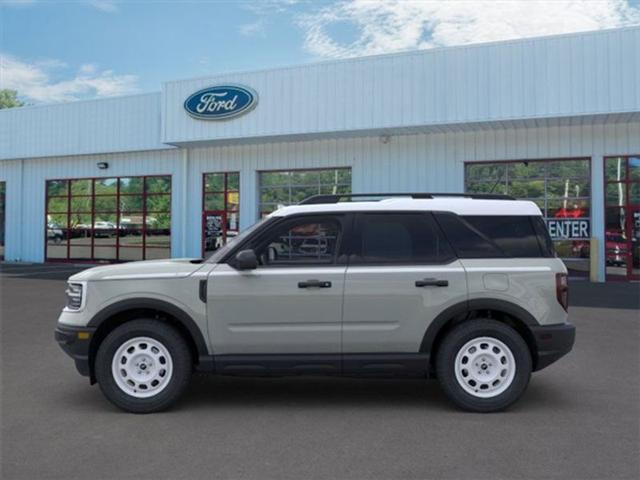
(483,365)
(143,366)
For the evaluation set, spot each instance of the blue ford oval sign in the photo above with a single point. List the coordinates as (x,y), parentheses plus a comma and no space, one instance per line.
(221,102)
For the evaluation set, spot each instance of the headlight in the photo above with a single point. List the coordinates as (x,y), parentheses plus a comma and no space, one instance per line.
(74,296)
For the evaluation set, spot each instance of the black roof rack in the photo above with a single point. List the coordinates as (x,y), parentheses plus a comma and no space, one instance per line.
(316,199)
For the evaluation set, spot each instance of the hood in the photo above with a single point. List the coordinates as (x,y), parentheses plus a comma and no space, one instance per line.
(148,269)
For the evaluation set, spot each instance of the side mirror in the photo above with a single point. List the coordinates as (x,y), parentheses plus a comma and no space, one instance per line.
(246,260)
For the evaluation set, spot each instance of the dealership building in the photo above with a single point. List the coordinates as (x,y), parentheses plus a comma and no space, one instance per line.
(178,172)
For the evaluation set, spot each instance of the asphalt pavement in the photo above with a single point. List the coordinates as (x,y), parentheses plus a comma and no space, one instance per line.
(579,419)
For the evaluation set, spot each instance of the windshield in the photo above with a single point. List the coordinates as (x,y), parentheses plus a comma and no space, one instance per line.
(217,255)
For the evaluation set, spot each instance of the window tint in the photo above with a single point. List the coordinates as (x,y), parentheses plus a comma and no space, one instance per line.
(514,235)
(306,241)
(544,239)
(478,236)
(400,238)
(467,242)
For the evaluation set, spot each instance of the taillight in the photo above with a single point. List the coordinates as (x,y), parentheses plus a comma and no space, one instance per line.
(562,290)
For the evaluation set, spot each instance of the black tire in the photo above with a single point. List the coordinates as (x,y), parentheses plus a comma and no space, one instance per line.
(181,359)
(456,339)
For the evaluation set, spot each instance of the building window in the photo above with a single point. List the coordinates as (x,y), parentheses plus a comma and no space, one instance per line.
(562,190)
(220,209)
(281,188)
(3,188)
(109,219)
(622,217)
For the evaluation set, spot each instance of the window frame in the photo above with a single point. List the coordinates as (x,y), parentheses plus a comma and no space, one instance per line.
(92,196)
(225,210)
(627,207)
(546,198)
(289,185)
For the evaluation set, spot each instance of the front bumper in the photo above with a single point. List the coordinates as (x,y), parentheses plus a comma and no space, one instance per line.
(552,342)
(75,342)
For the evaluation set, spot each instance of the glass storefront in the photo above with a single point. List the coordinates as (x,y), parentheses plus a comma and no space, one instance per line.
(562,190)
(108,219)
(281,188)
(3,188)
(622,217)
(220,209)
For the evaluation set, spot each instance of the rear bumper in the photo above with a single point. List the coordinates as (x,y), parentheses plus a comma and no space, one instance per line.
(553,342)
(75,342)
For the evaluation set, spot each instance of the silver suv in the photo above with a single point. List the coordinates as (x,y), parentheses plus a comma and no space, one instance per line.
(462,288)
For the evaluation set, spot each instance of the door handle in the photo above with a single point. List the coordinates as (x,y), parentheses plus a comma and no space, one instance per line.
(432,282)
(314,284)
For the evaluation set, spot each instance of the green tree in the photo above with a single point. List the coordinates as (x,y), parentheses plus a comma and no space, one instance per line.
(9,99)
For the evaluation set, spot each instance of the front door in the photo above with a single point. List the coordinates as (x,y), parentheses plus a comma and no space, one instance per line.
(401,275)
(291,303)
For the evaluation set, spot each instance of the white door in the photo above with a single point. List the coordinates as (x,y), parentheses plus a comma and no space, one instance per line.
(402,274)
(291,303)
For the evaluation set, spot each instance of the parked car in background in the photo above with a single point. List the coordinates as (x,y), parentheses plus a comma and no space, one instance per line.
(54,233)
(104,229)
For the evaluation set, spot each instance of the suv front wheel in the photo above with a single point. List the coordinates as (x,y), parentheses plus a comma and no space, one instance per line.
(143,366)
(483,365)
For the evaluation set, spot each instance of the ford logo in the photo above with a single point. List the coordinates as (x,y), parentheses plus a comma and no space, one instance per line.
(221,102)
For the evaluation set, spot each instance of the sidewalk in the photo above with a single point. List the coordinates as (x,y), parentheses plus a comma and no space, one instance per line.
(605,295)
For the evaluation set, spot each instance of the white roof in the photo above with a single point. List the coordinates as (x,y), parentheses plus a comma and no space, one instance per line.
(460,206)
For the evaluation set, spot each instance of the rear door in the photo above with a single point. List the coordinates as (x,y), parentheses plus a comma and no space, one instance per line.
(402,273)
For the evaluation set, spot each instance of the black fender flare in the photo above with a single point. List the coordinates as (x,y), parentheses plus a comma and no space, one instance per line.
(463,308)
(154,304)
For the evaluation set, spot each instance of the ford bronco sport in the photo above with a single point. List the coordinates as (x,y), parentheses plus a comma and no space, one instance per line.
(462,288)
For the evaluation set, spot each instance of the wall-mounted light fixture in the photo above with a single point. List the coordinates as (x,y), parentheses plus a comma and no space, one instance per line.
(103,165)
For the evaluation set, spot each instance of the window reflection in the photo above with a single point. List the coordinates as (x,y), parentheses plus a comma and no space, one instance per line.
(221,205)
(280,188)
(109,219)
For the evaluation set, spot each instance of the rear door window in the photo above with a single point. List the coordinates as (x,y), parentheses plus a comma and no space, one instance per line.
(399,238)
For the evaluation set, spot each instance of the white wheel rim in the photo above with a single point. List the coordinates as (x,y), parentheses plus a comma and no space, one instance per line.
(142,367)
(485,367)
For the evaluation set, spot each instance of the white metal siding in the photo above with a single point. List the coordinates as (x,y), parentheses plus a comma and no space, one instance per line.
(97,126)
(11,173)
(562,76)
(26,193)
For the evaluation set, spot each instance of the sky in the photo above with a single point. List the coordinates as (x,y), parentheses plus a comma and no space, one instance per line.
(56,51)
